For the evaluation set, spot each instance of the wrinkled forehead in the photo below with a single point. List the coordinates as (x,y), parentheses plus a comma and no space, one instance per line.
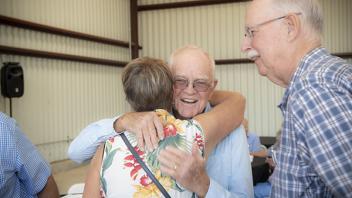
(258,11)
(192,64)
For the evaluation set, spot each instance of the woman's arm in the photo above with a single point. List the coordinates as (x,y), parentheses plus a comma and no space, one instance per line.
(92,182)
(227,114)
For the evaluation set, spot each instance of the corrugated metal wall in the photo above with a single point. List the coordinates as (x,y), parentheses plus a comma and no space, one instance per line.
(61,97)
(338,25)
(219,30)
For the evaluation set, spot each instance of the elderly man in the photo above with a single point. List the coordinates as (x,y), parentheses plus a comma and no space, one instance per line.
(23,171)
(227,172)
(283,38)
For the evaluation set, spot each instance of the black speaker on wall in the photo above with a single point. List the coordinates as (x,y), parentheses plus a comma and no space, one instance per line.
(12,83)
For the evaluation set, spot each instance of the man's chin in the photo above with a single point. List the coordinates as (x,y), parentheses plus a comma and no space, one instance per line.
(187,114)
(262,73)
(184,115)
(261,69)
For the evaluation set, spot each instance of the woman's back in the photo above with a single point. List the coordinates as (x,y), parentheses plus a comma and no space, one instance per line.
(122,176)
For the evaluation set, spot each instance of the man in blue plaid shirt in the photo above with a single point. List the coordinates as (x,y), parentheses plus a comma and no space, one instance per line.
(283,38)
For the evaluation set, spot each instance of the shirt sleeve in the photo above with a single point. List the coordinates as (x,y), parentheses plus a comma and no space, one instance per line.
(233,178)
(325,116)
(216,190)
(86,143)
(256,143)
(32,169)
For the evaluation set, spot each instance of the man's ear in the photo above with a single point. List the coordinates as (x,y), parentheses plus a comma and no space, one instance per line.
(213,87)
(215,83)
(293,23)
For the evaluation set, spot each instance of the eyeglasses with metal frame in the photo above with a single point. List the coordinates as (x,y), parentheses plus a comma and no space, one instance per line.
(200,85)
(251,30)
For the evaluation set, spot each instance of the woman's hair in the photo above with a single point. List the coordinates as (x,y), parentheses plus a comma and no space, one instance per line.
(147,83)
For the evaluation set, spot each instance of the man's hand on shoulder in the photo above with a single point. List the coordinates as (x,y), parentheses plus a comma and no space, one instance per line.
(188,169)
(146,125)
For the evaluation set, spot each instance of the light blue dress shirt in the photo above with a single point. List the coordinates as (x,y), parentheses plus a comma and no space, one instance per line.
(23,171)
(228,166)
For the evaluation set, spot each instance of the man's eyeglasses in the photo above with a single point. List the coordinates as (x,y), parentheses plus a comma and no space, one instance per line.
(250,30)
(198,85)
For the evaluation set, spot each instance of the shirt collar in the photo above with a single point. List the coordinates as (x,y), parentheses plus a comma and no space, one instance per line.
(302,67)
(206,109)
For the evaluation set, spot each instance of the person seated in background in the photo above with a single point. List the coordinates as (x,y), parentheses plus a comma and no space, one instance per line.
(263,189)
(23,171)
(256,149)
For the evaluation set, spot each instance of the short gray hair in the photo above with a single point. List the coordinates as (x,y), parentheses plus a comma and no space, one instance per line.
(311,10)
(192,47)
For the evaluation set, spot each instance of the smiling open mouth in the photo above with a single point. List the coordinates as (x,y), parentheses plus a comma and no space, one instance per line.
(189,101)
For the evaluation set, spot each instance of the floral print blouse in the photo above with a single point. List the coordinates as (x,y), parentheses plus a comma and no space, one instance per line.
(122,176)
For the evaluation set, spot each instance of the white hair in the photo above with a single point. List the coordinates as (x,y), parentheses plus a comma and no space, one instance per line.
(311,12)
(192,47)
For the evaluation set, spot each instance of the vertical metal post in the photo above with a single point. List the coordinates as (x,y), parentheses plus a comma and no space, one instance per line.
(134,29)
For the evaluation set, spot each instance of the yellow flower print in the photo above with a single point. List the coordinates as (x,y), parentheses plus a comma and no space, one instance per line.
(171,125)
(152,190)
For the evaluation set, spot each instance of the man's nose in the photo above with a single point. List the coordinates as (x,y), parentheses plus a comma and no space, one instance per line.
(246,44)
(189,88)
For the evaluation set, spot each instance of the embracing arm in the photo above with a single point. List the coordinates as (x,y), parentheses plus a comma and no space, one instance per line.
(83,147)
(217,123)
(227,115)
(92,182)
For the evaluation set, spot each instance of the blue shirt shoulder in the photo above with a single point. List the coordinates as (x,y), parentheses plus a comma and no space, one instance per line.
(23,171)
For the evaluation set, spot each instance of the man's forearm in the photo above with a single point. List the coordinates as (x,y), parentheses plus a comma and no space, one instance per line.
(223,118)
(86,143)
